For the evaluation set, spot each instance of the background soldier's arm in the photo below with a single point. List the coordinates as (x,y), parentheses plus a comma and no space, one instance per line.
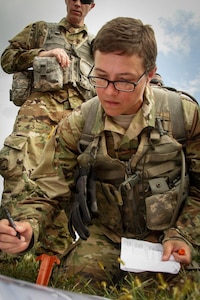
(19,55)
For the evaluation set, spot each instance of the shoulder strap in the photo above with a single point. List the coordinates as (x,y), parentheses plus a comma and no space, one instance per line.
(172,98)
(176,114)
(176,109)
(89,110)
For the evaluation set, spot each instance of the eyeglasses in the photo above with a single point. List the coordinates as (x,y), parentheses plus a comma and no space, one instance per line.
(120,85)
(86,1)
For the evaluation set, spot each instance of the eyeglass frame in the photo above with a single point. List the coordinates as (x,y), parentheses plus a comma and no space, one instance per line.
(114,82)
(87,1)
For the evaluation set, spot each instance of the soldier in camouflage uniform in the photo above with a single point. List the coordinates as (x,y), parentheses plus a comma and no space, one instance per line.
(113,167)
(69,44)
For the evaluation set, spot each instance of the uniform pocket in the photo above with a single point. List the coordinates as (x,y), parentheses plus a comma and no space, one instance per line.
(160,209)
(12,155)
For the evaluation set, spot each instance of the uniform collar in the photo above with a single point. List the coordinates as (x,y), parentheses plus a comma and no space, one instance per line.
(145,117)
(64,23)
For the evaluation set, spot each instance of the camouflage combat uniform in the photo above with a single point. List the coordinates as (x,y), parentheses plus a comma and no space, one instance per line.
(128,205)
(42,111)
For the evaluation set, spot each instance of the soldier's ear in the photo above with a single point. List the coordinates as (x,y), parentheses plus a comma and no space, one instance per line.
(151,74)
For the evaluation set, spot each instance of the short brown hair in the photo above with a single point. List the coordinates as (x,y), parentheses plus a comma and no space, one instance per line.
(128,36)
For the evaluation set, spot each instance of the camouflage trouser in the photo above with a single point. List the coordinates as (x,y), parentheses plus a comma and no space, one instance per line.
(94,260)
(97,260)
(23,148)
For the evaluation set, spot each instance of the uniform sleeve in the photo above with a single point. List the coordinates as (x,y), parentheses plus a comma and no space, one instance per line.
(19,55)
(48,199)
(188,224)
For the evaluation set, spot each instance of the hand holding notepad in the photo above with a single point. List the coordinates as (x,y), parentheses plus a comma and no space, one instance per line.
(140,256)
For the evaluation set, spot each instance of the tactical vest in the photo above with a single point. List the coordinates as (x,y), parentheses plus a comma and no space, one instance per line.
(145,192)
(76,74)
(80,56)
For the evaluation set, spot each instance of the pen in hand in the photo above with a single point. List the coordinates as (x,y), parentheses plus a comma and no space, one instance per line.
(12,223)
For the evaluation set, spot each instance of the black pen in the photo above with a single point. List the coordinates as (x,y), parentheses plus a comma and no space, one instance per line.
(12,223)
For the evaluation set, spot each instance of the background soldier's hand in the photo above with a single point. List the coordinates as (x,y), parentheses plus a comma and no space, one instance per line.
(80,216)
(60,55)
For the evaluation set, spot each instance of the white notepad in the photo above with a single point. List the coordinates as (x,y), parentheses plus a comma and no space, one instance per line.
(140,256)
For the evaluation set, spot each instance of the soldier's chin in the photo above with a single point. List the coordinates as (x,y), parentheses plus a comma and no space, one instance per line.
(112,109)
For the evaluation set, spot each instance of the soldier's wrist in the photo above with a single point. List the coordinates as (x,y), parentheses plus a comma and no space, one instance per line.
(175,234)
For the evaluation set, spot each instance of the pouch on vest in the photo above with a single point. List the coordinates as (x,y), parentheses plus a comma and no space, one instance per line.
(48,74)
(21,87)
(160,206)
(77,74)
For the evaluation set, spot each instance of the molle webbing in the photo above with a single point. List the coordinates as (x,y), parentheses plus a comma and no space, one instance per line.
(80,56)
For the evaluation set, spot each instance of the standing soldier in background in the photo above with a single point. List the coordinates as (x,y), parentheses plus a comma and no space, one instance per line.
(59,56)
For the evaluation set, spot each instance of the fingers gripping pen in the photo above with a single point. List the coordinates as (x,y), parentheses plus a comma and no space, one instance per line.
(12,223)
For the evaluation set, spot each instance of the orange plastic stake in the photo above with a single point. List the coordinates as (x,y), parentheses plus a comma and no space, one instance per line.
(46,266)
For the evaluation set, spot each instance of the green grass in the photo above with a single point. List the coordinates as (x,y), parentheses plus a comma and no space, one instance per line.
(183,286)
